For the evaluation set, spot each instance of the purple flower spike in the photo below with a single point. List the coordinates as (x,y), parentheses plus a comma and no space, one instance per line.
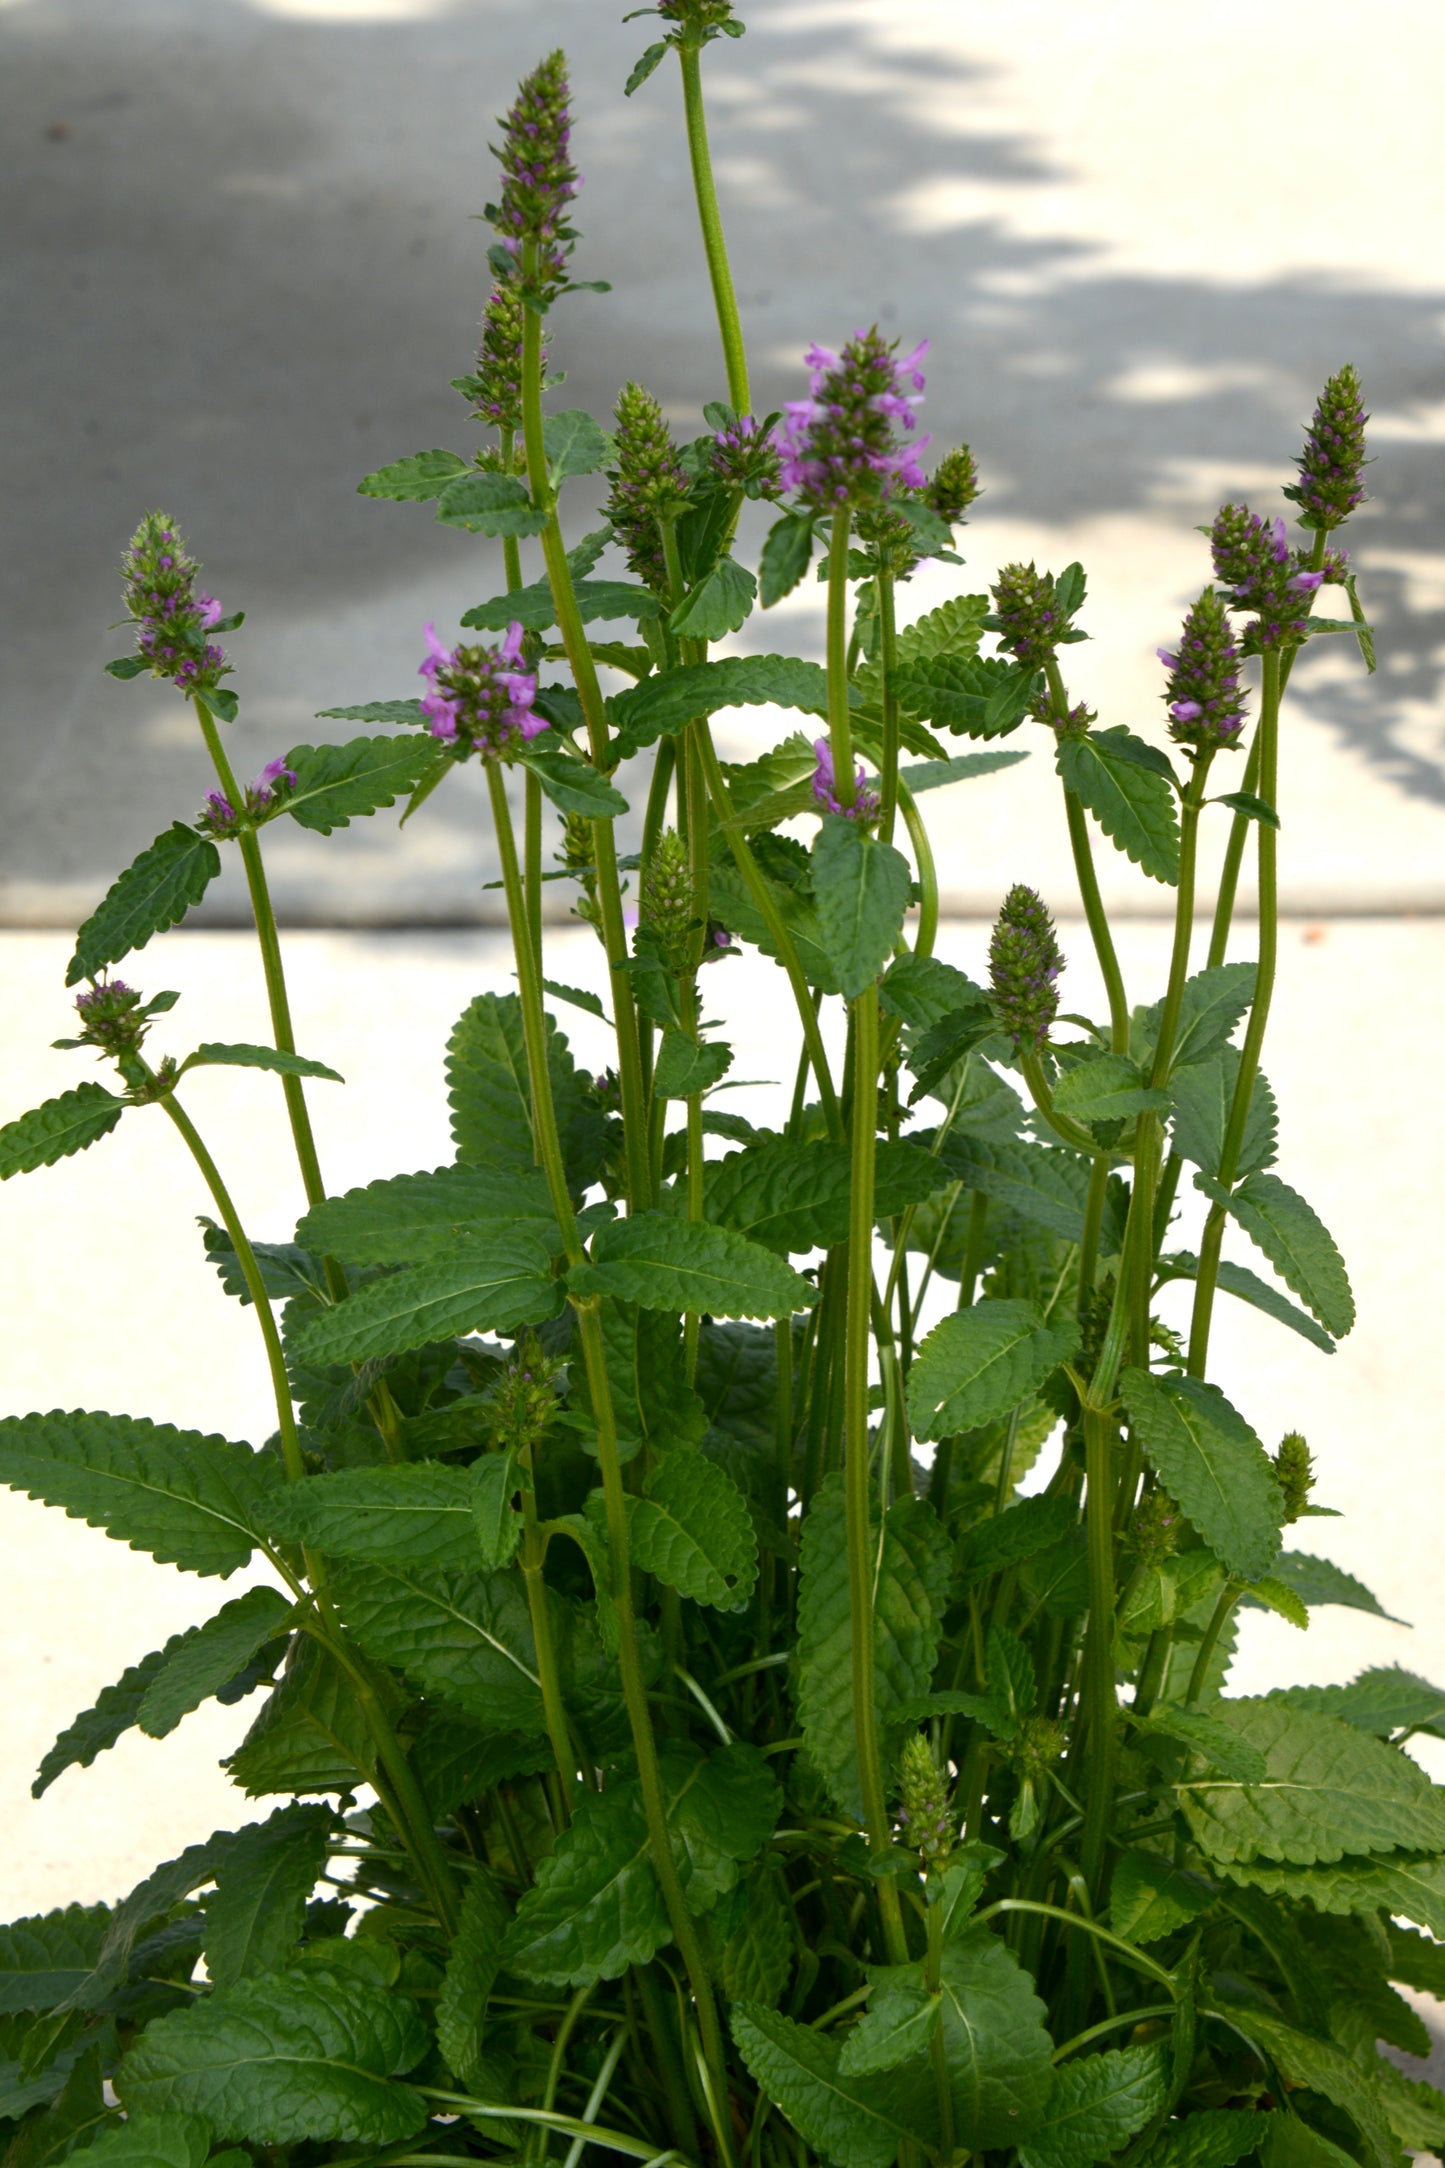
(478,699)
(1024,962)
(838,447)
(1331,465)
(825,787)
(539,179)
(1204,699)
(1254,561)
(171,619)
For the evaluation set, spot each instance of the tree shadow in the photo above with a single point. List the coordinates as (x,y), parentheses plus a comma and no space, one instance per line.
(246,273)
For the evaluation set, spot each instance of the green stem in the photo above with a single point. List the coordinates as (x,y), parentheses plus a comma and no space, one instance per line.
(762,895)
(861,1538)
(534,1553)
(1191,807)
(255,1285)
(1099,1709)
(713,240)
(933,1981)
(1094,912)
(589,692)
(1229,1596)
(888,664)
(589,1324)
(1213,1239)
(278,1000)
(927,929)
(1094,1204)
(840,736)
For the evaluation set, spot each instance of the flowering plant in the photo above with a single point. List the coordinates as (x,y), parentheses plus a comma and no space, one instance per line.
(726,1703)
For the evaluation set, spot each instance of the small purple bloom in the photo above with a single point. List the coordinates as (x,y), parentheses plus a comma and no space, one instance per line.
(838,446)
(825,787)
(477,698)
(170,618)
(1203,698)
(1254,562)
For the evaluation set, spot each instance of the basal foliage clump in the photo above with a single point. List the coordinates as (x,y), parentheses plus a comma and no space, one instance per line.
(659,1755)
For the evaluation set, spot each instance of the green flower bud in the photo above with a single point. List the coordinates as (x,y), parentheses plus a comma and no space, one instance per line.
(953,485)
(648,484)
(1295,1474)
(668,902)
(1154,1533)
(523,1400)
(1024,962)
(926,1818)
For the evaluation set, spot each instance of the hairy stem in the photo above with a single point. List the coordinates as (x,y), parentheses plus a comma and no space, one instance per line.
(840,736)
(888,666)
(713,240)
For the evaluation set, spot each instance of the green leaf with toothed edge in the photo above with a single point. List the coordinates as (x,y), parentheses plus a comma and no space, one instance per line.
(1296,1242)
(1211,2138)
(410,1219)
(1218,1745)
(851,2122)
(466,1637)
(1329,1790)
(686,1065)
(485,1283)
(280,2059)
(377,711)
(310,1735)
(720,603)
(1247,1286)
(472,1965)
(206,1660)
(262,1888)
(421,1513)
(689,1265)
(155,891)
(490,504)
(572,785)
(1322,2067)
(691,1528)
(666,702)
(533,607)
(414,480)
(211,1055)
(787,553)
(1203,1093)
(1106,1088)
(337,784)
(861,889)
(44,1959)
(1133,804)
(1384,1700)
(972,695)
(978,1363)
(153,2141)
(1213,1001)
(58,1128)
(1208,1458)
(910,1594)
(1096,2105)
(490,1095)
(1149,1897)
(575,444)
(795,1197)
(643,68)
(1319,1580)
(191,1500)
(1413,1888)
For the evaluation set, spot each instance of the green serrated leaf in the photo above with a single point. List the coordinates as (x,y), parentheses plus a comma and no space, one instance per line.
(795,1197)
(757,1958)
(1296,1242)
(472,1966)
(1248,1287)
(153,2141)
(1412,1888)
(207,1659)
(414,480)
(861,889)
(998,2053)
(910,1590)
(261,1893)
(643,68)
(787,552)
(1323,2068)
(1384,1700)
(1253,809)
(311,1735)
(900,2021)
(923,990)
(491,1100)
(534,609)
(686,1065)
(1329,1790)
(575,444)
(490,504)
(44,1959)
(336,784)
(670,1264)
(978,1363)
(572,785)
(1135,806)
(1097,2104)
(116,1711)
(1041,1183)
(1009,1538)
(1218,1743)
(1202,1094)
(1107,1088)
(377,711)
(851,2122)
(491,1283)
(411,1219)
(692,1529)
(666,702)
(281,2059)
(212,1055)
(421,1513)
(720,603)
(192,1501)
(465,1637)
(1212,1003)
(155,891)
(1149,1897)
(1211,2138)
(1211,1461)
(971,695)
(58,1128)
(1319,1580)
